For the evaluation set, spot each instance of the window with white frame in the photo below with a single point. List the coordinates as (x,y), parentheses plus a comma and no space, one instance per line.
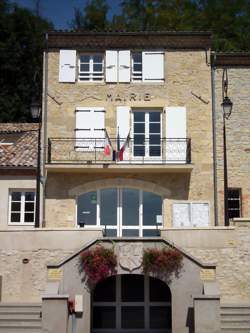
(137,66)
(190,214)
(146,133)
(121,211)
(21,207)
(91,67)
(234,202)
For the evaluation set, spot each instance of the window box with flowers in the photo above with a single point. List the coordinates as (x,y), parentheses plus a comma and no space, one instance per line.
(98,263)
(162,262)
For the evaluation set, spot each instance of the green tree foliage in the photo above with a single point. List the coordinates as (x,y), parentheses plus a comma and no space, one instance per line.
(94,16)
(21,49)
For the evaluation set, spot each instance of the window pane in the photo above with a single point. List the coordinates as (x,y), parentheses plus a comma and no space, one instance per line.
(139,139)
(139,151)
(137,57)
(29,196)
(104,317)
(29,217)
(130,233)
(160,317)
(158,291)
(137,67)
(155,151)
(29,206)
(139,128)
(16,206)
(15,217)
(132,288)
(86,209)
(151,233)
(97,67)
(154,128)
(154,139)
(16,196)
(84,67)
(154,116)
(105,290)
(130,207)
(139,116)
(98,58)
(152,208)
(132,317)
(108,206)
(111,233)
(84,58)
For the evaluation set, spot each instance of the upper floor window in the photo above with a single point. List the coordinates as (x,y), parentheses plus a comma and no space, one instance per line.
(91,67)
(115,66)
(234,202)
(137,66)
(22,207)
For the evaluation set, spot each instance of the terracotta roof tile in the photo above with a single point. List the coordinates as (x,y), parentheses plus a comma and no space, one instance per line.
(21,147)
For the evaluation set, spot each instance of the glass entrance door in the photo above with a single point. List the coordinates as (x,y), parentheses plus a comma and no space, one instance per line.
(122,212)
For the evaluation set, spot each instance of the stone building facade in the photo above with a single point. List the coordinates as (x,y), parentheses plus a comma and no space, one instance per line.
(132,160)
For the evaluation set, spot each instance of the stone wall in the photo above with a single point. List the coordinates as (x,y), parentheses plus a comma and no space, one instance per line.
(238,136)
(229,248)
(187,84)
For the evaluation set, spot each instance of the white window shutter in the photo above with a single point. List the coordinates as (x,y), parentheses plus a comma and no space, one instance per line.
(123,126)
(124,66)
(67,66)
(153,66)
(83,128)
(111,61)
(176,145)
(99,126)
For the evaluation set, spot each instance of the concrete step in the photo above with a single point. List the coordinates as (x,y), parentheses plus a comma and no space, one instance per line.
(235,318)
(20,317)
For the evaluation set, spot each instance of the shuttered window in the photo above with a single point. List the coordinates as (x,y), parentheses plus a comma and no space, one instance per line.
(153,66)
(90,128)
(91,67)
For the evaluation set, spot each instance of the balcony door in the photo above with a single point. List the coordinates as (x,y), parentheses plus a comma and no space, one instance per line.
(147,135)
(121,212)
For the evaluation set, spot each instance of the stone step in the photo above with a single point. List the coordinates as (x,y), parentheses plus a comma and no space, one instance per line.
(20,314)
(20,330)
(228,329)
(20,323)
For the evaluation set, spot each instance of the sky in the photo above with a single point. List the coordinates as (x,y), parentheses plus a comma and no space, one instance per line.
(61,12)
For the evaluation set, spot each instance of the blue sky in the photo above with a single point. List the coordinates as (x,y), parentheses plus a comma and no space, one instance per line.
(61,12)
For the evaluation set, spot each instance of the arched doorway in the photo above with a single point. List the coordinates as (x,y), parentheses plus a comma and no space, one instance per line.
(131,303)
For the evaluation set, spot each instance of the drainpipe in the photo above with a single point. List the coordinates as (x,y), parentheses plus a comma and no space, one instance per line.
(213,57)
(44,122)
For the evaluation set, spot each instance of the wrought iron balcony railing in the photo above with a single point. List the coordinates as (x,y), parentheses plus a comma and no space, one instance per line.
(110,151)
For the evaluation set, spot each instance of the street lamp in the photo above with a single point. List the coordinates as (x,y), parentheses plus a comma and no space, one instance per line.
(36,112)
(227,106)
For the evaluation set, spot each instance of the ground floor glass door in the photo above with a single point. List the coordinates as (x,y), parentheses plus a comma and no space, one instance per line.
(131,304)
(121,212)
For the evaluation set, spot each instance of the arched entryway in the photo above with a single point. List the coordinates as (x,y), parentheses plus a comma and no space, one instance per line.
(131,303)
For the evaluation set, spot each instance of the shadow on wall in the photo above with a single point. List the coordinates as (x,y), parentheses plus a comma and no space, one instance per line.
(169,185)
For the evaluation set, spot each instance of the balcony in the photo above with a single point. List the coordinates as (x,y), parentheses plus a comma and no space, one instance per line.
(96,153)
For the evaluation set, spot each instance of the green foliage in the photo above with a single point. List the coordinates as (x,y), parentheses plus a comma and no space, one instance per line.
(94,16)
(21,51)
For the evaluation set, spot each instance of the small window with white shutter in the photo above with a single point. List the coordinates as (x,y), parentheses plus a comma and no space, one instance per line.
(90,128)
(91,67)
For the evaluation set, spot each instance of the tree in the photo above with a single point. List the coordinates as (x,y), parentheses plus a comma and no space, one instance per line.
(93,17)
(21,49)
